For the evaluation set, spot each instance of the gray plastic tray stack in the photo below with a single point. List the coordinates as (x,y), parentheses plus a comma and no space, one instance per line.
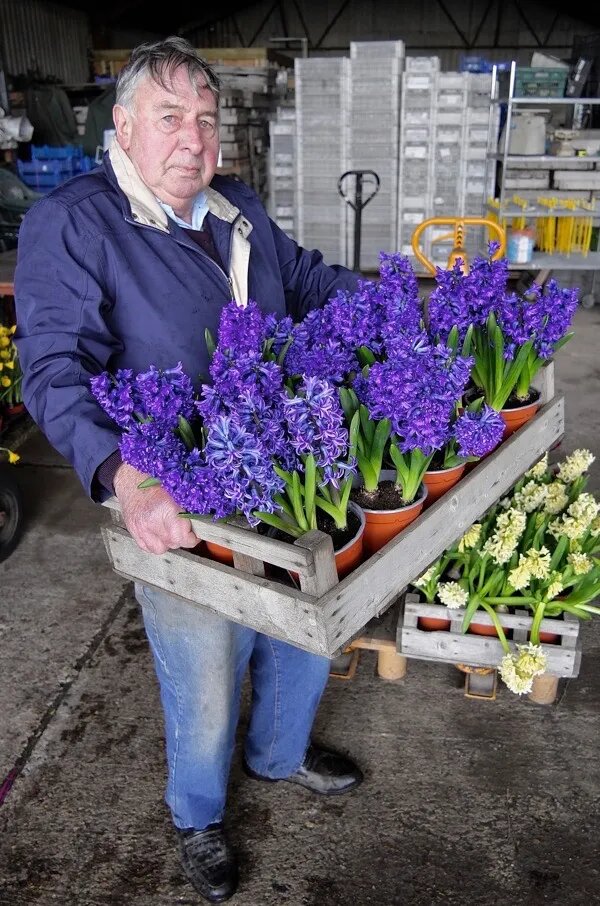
(282,144)
(321,90)
(372,131)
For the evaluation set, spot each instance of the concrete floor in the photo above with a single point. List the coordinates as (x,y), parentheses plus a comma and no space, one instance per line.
(465,802)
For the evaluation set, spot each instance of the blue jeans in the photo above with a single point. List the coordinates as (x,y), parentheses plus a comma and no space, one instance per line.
(201,660)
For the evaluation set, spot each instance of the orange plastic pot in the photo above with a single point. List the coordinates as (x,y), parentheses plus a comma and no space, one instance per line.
(350,555)
(482,629)
(549,638)
(220,553)
(15,409)
(517,417)
(383,525)
(432,624)
(438,481)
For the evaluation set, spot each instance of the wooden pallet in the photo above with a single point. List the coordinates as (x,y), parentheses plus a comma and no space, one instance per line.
(325,615)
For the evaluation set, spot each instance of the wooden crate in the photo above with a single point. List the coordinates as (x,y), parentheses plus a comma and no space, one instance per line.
(324,615)
(454,647)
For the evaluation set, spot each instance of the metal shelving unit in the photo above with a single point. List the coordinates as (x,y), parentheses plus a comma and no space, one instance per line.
(545,161)
(544,263)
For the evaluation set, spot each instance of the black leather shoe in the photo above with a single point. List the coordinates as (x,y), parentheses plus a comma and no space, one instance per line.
(209,862)
(323,771)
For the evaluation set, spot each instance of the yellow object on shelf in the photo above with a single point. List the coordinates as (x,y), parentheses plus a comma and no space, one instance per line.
(457,235)
(558,232)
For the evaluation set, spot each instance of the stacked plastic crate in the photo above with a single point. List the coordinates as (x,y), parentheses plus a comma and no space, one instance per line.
(415,169)
(50,166)
(479,178)
(461,115)
(371,138)
(282,138)
(321,89)
(449,157)
(476,141)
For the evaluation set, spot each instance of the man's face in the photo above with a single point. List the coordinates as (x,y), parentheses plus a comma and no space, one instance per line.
(171,138)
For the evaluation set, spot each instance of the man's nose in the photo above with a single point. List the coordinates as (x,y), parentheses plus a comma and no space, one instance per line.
(192,137)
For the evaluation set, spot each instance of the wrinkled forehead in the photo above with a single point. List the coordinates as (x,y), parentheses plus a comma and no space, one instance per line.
(179,80)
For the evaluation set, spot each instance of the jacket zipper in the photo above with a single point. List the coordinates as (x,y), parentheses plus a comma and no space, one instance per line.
(195,248)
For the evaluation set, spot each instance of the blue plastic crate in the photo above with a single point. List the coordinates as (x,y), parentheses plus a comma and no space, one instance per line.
(474,64)
(49,152)
(36,167)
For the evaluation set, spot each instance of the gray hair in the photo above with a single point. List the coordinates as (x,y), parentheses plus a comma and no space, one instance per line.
(159,60)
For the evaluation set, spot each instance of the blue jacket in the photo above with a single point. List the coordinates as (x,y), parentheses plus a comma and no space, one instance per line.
(105,280)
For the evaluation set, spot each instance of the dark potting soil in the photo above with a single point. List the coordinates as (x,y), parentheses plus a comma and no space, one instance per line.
(325,524)
(513,402)
(386,497)
(437,463)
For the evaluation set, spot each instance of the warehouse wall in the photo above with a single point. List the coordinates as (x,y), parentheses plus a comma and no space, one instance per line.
(44,37)
(497,29)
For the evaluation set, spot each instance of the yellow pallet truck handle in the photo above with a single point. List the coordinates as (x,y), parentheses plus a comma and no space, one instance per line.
(458,236)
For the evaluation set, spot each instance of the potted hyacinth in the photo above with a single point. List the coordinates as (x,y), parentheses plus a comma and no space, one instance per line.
(247,444)
(407,406)
(367,342)
(299,423)
(511,335)
(535,551)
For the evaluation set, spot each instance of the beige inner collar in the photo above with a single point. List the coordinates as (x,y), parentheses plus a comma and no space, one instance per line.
(144,206)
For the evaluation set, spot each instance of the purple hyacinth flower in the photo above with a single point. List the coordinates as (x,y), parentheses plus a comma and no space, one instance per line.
(478,433)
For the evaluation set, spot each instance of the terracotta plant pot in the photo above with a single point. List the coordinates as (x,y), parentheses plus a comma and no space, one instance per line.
(517,416)
(549,638)
(433,624)
(17,409)
(383,525)
(220,553)
(438,481)
(351,554)
(482,629)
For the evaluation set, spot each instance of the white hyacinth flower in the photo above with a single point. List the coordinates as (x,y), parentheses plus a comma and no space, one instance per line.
(531,496)
(575,465)
(470,537)
(452,595)
(580,563)
(538,562)
(539,469)
(556,497)
(520,576)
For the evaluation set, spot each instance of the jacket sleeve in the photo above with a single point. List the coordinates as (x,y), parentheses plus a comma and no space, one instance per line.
(308,282)
(62,337)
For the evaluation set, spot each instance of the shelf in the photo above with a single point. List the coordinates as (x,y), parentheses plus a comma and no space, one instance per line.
(541,262)
(539,101)
(548,160)
(536,211)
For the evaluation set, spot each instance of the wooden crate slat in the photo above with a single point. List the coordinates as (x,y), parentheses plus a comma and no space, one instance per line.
(280,553)
(374,584)
(564,628)
(544,382)
(480,651)
(286,614)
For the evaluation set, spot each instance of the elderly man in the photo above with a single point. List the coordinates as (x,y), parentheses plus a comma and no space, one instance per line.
(126,267)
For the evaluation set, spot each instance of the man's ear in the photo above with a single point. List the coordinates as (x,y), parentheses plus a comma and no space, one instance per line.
(122,121)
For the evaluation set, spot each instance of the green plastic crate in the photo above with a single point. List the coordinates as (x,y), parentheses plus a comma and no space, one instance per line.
(540,82)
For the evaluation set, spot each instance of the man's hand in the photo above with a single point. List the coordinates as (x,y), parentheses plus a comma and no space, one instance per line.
(150,514)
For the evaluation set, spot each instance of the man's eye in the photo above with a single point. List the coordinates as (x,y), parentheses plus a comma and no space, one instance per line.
(169,119)
(208,126)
